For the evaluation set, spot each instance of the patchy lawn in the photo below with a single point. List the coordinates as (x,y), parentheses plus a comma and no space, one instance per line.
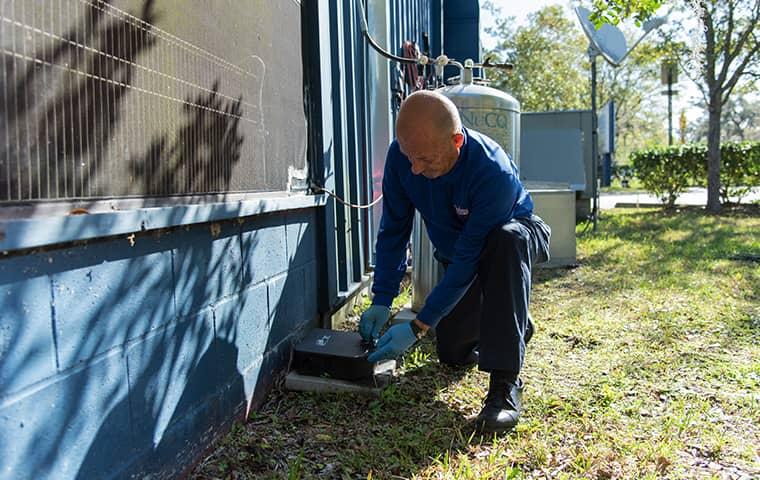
(645,364)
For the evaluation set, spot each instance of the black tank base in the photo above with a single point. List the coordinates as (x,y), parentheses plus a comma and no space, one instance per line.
(339,355)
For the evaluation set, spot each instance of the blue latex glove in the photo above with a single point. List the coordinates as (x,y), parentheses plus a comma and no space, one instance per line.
(396,341)
(373,320)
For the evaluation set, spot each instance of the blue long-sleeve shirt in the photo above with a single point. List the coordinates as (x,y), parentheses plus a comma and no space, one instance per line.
(482,191)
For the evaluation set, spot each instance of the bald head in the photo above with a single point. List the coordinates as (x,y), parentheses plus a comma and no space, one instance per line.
(429,133)
(427,113)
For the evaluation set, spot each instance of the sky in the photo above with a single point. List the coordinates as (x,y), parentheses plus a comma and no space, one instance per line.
(520,10)
(514,8)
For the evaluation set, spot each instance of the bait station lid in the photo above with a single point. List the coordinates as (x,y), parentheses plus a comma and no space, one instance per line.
(337,354)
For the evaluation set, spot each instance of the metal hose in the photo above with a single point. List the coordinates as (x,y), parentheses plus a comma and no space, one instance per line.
(378,48)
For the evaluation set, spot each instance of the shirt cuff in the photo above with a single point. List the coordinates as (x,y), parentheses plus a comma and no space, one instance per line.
(428,317)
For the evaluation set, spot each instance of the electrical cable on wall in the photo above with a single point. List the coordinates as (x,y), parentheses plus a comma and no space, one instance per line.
(378,48)
(348,204)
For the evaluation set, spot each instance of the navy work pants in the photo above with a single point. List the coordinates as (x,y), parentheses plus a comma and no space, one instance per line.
(492,317)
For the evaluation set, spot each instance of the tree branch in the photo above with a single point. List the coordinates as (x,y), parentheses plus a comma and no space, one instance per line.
(727,44)
(743,37)
(726,90)
(709,47)
(749,57)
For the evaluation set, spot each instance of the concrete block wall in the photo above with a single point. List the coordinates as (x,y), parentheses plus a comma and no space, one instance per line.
(121,359)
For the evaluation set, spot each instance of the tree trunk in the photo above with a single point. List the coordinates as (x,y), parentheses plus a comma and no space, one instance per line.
(713,155)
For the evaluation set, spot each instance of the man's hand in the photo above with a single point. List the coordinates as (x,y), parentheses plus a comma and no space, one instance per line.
(372,321)
(396,341)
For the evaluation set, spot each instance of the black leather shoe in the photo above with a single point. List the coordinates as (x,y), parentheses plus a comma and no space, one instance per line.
(502,407)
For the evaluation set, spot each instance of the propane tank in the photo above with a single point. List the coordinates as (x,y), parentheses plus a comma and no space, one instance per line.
(487,110)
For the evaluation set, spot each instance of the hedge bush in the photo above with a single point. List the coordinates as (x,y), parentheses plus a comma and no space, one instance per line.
(739,169)
(669,171)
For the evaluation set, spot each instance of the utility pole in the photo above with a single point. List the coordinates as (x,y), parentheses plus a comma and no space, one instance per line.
(592,54)
(669,76)
(670,107)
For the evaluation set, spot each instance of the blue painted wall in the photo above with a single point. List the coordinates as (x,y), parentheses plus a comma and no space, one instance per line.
(461,24)
(120,359)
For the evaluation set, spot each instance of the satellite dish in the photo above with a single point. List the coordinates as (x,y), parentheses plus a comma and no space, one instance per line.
(608,40)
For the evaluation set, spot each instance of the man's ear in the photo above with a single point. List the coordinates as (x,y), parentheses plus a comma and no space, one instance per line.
(458,140)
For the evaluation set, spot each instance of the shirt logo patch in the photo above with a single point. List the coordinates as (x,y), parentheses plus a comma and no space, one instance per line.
(462,212)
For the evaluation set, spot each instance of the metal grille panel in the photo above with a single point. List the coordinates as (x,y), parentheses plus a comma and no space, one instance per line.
(148,98)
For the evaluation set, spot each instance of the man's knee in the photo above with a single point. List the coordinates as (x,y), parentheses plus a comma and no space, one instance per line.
(509,236)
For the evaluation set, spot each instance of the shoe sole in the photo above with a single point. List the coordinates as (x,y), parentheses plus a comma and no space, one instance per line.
(482,428)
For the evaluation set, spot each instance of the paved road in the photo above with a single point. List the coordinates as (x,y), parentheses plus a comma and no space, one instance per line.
(693,196)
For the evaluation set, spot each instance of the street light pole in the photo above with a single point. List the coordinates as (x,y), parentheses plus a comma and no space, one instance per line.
(669,76)
(670,107)
(592,54)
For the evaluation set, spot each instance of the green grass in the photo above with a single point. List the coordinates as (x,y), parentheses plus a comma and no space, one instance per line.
(645,365)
